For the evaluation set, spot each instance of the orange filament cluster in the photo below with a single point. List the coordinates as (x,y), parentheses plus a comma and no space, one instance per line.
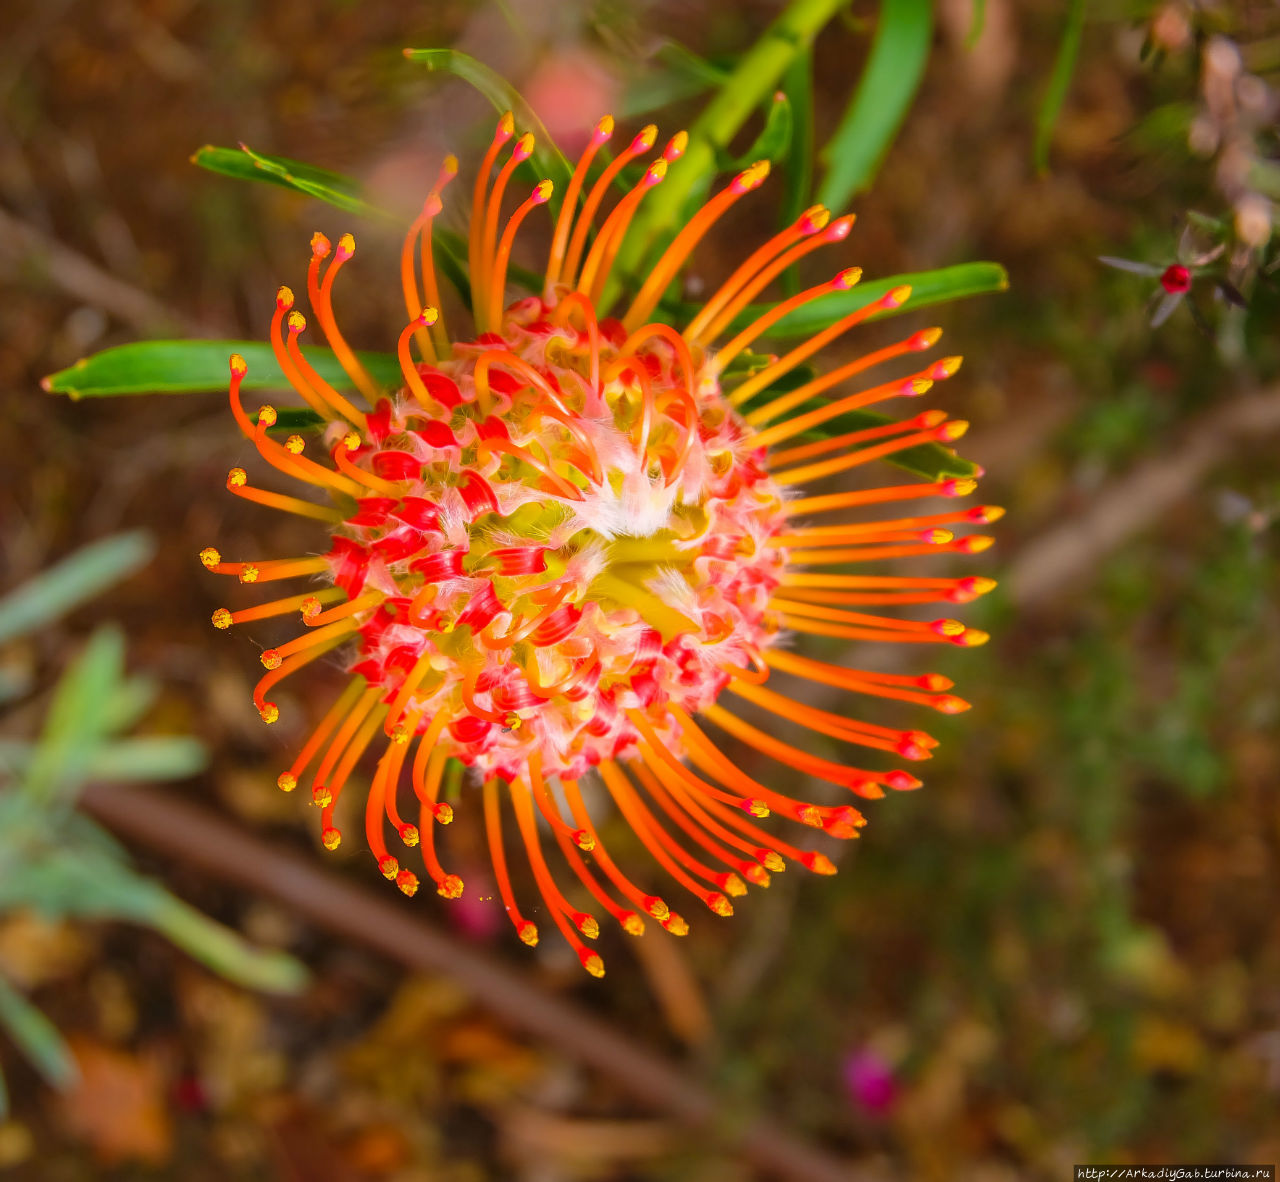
(555,544)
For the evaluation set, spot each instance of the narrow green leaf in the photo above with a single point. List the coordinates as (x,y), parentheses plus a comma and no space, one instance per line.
(931,461)
(756,76)
(927,287)
(36,1037)
(149,757)
(797,84)
(504,97)
(73,581)
(773,142)
(77,719)
(682,74)
(977,22)
(1059,82)
(244,164)
(190,367)
(292,419)
(216,946)
(888,84)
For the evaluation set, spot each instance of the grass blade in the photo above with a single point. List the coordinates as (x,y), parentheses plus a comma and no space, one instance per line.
(889,83)
(36,1037)
(504,97)
(244,164)
(927,287)
(77,579)
(1059,82)
(194,367)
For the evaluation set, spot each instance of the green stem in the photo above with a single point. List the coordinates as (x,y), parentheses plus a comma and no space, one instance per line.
(755,77)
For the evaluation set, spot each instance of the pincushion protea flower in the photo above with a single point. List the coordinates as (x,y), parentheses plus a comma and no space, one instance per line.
(562,539)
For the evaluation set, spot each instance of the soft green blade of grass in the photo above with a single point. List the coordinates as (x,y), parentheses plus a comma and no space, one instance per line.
(71,582)
(927,288)
(244,164)
(36,1037)
(772,144)
(194,367)
(549,159)
(1059,82)
(888,84)
(756,75)
(681,74)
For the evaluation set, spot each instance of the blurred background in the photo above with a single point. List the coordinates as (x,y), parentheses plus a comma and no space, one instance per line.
(1065,949)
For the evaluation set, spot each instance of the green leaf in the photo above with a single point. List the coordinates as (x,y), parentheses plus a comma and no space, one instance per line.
(927,287)
(77,720)
(36,1037)
(771,144)
(342,191)
(291,419)
(190,367)
(75,580)
(244,164)
(756,76)
(798,170)
(1059,81)
(683,75)
(549,159)
(888,84)
(977,22)
(929,460)
(149,757)
(212,944)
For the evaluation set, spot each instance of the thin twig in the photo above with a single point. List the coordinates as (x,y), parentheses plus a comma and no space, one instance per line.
(1062,557)
(196,837)
(24,245)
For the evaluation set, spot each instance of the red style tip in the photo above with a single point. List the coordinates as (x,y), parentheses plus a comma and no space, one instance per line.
(603,131)
(818,863)
(346,247)
(655,173)
(926,338)
(331,839)
(296,322)
(449,887)
(958,488)
(896,297)
(432,205)
(388,867)
(846,279)
(815,218)
(901,781)
(676,146)
(407,881)
(542,192)
(524,147)
(592,962)
(320,246)
(838,231)
(284,298)
(506,127)
(751,177)
(645,140)
(238,366)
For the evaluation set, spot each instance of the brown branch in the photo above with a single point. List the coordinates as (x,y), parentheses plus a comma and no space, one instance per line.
(196,837)
(1128,505)
(24,245)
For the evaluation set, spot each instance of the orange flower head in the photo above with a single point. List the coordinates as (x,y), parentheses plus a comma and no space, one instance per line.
(553,544)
